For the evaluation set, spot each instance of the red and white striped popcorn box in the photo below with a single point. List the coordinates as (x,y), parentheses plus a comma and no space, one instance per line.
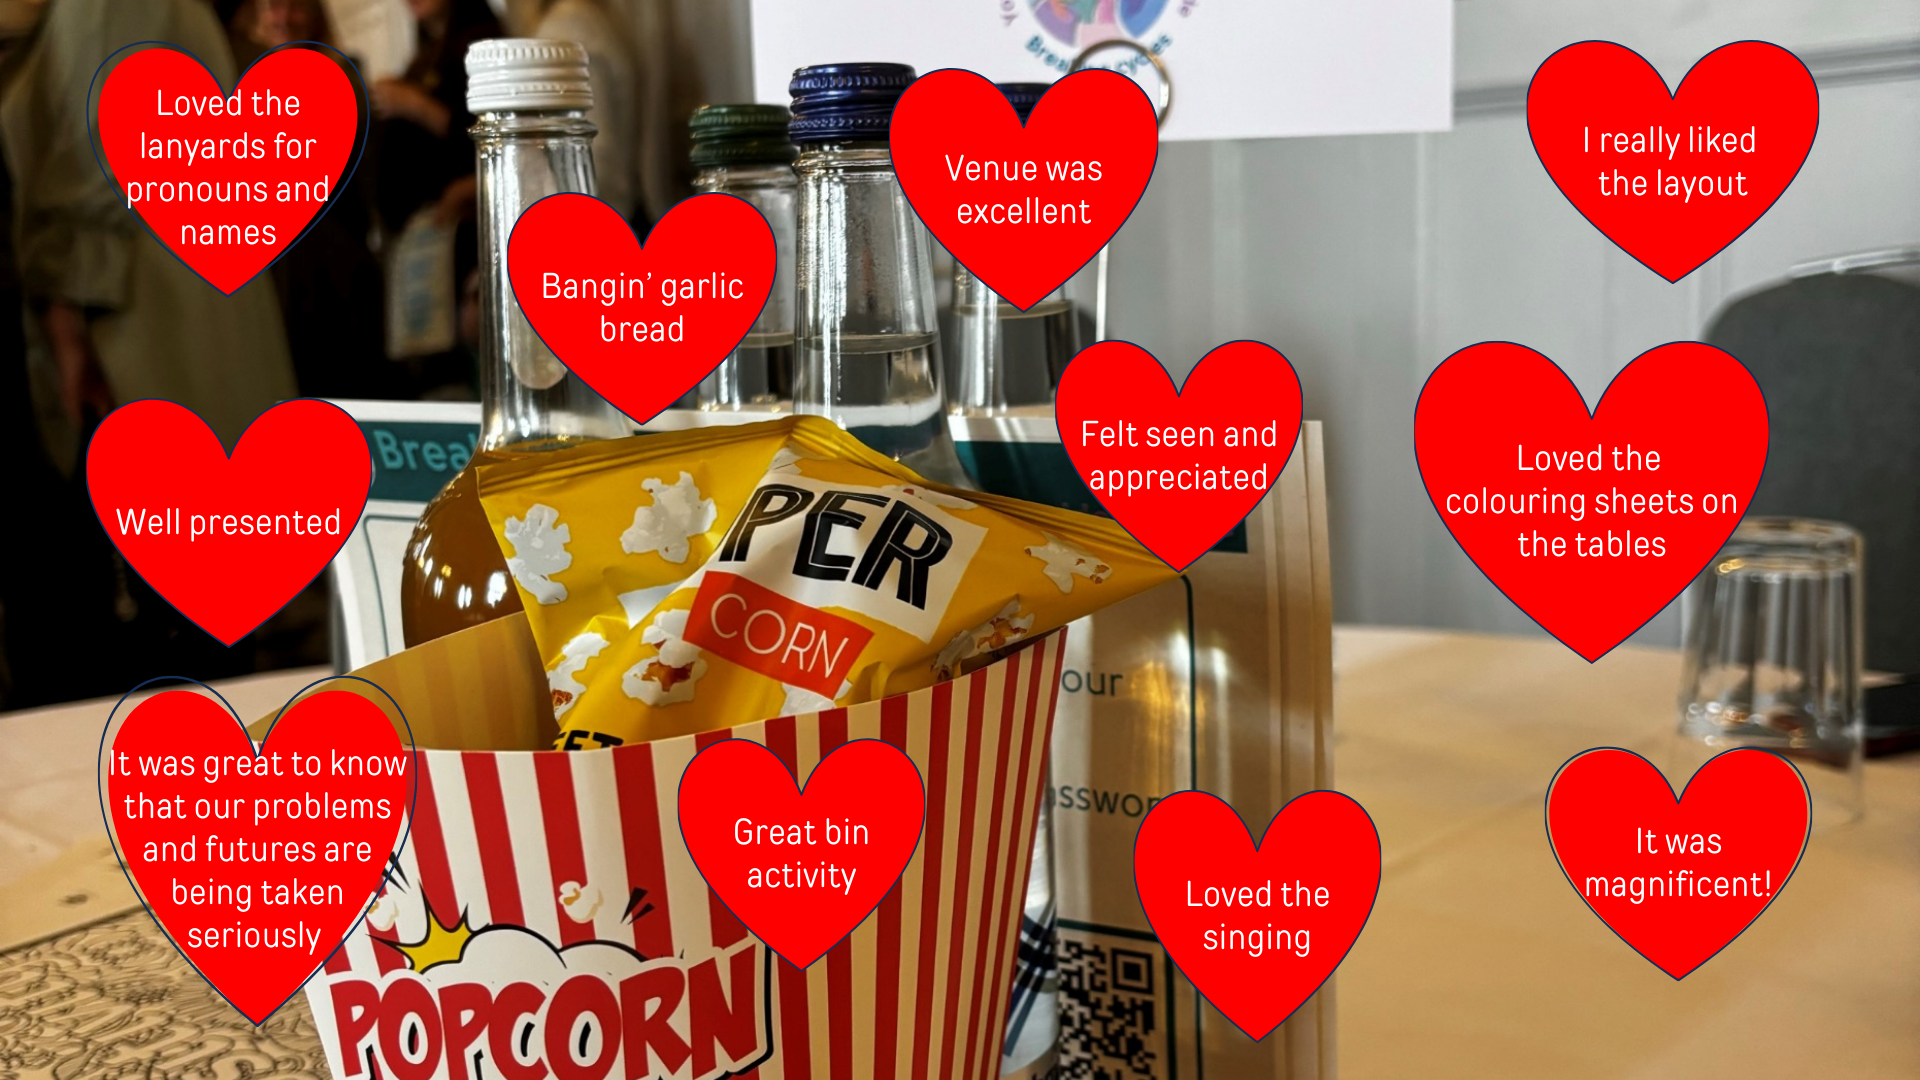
(543,917)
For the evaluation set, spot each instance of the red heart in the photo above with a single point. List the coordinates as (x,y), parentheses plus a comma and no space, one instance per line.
(237,213)
(1596,87)
(1491,407)
(710,242)
(950,119)
(1202,881)
(1115,398)
(1743,817)
(153,466)
(865,783)
(239,826)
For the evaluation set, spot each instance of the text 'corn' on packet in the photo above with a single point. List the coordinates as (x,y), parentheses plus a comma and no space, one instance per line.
(691,581)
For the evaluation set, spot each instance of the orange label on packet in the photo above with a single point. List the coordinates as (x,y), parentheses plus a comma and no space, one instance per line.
(760,630)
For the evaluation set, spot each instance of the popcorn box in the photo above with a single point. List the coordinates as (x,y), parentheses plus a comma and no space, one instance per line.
(543,917)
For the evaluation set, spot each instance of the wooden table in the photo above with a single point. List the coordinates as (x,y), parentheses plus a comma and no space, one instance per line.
(1479,960)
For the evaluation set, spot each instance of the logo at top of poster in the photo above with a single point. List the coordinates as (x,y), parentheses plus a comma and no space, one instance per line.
(1081,23)
(1067,27)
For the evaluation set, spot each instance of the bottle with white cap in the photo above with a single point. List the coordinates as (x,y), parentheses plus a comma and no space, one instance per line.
(531,97)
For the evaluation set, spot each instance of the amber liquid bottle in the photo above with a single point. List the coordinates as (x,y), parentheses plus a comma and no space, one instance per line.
(534,140)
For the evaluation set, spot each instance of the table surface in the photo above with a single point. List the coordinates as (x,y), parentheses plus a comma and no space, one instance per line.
(1479,960)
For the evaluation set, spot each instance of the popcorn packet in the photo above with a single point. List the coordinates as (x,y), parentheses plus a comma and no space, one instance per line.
(687,582)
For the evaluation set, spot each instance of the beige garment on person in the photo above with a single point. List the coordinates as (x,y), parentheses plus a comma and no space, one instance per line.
(641,26)
(158,328)
(616,94)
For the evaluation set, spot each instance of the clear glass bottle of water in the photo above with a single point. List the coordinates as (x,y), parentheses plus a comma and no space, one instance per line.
(868,352)
(531,98)
(743,150)
(1008,357)
(866,331)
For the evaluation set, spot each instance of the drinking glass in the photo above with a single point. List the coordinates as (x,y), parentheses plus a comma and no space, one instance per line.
(1773,638)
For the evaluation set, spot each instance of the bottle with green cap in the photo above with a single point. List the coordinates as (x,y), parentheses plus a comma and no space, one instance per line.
(743,150)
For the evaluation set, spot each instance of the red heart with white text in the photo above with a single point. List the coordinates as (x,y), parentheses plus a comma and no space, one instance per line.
(1178,468)
(1257,928)
(228,181)
(1672,178)
(257,862)
(228,540)
(1590,522)
(641,326)
(834,848)
(1024,206)
(1678,879)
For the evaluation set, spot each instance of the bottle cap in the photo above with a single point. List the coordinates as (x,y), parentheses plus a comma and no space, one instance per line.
(846,102)
(740,135)
(513,74)
(1023,95)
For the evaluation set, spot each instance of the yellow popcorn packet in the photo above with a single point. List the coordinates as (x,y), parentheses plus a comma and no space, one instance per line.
(686,582)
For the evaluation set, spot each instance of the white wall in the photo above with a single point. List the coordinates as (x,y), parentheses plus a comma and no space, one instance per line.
(1369,260)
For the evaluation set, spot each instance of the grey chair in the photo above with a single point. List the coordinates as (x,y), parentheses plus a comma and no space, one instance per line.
(1838,358)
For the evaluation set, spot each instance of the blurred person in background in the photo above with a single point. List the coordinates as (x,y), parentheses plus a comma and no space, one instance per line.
(261,26)
(626,58)
(426,156)
(329,282)
(112,316)
(422,155)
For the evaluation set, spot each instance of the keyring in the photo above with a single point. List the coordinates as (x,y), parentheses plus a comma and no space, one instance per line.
(1164,104)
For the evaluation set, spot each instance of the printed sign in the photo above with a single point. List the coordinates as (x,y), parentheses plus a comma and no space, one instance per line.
(1239,71)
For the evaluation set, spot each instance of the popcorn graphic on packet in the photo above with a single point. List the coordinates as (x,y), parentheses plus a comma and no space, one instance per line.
(573,656)
(1005,628)
(539,551)
(669,677)
(580,902)
(1066,562)
(679,513)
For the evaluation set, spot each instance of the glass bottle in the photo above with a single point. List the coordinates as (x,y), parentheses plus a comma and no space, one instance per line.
(743,150)
(1008,357)
(867,340)
(531,98)
(869,356)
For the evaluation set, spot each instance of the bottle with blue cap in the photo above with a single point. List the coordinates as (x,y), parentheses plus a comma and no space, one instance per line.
(867,339)
(1008,357)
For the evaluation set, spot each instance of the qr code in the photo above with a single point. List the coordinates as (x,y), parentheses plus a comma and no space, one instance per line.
(1115,1000)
